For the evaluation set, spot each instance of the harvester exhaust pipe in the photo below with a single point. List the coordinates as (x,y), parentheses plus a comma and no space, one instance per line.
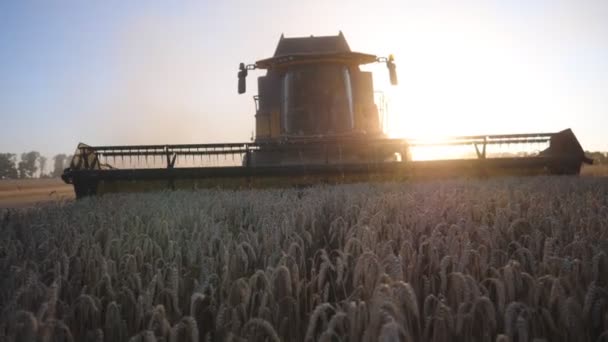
(242,75)
(392,69)
(242,78)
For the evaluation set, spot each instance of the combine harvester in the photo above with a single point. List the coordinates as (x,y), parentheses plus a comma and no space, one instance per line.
(316,122)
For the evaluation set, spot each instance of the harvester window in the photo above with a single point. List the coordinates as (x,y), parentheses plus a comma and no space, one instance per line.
(317,99)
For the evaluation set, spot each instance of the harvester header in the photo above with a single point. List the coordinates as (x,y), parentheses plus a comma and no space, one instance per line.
(316,120)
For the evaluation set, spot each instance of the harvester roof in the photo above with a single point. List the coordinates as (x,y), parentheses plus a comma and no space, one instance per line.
(311,45)
(313,49)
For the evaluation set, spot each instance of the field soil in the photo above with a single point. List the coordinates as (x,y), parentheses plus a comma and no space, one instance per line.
(594,170)
(29,192)
(21,193)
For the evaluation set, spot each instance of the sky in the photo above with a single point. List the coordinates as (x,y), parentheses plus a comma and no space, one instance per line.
(156,72)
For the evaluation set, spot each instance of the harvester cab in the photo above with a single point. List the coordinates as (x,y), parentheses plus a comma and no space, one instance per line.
(315,121)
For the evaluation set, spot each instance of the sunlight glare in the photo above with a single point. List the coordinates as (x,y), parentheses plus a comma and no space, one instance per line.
(461,83)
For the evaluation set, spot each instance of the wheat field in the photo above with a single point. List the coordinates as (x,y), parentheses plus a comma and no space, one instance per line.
(511,259)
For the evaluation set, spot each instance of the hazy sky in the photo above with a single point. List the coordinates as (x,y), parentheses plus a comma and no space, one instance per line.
(122,72)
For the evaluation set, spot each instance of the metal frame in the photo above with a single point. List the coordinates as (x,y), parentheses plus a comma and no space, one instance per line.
(563,156)
(171,152)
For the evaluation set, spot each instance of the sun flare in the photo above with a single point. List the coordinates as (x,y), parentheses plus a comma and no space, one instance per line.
(463,83)
(429,132)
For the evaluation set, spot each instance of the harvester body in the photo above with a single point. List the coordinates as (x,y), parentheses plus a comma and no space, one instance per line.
(315,121)
(314,92)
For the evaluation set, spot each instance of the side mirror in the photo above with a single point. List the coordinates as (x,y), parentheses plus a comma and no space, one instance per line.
(242,78)
(392,69)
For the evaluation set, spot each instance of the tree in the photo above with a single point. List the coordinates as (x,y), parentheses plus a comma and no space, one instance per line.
(58,165)
(27,165)
(68,160)
(8,168)
(599,158)
(42,164)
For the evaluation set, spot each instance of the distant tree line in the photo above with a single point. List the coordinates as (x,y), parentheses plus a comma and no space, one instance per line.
(31,165)
(599,158)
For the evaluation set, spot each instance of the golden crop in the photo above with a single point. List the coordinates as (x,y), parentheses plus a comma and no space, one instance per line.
(512,259)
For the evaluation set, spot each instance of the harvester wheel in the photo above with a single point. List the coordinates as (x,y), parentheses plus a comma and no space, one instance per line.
(85,188)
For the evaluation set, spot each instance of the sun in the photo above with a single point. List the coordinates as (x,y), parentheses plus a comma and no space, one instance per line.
(425,131)
(462,83)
